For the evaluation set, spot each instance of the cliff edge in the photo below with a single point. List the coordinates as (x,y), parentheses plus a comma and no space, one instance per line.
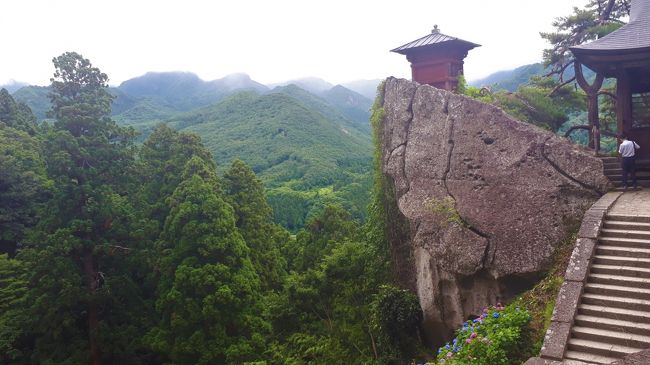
(477,201)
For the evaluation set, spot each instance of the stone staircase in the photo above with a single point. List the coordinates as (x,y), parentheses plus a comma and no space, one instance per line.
(613,171)
(613,315)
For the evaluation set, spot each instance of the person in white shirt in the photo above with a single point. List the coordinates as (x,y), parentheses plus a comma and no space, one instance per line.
(627,151)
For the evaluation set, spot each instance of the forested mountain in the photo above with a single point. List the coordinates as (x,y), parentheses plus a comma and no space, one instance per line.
(340,105)
(309,150)
(354,105)
(36,98)
(306,152)
(314,85)
(510,80)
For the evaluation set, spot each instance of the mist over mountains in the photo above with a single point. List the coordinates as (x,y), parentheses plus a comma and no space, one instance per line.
(161,94)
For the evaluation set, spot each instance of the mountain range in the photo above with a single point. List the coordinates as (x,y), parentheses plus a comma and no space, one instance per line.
(309,141)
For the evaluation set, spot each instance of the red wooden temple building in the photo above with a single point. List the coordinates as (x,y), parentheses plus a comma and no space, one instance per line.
(625,55)
(436,59)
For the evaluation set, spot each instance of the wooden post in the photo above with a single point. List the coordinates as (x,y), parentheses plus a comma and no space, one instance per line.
(623,102)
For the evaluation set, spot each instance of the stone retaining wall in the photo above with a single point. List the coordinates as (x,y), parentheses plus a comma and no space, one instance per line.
(575,278)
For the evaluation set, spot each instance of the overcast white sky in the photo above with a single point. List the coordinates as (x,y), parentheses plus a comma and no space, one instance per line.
(271,40)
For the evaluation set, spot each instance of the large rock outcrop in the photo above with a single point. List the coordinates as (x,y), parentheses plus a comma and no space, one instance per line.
(477,201)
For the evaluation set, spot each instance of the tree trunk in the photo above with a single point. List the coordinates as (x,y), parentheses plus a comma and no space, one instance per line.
(91,275)
(592,104)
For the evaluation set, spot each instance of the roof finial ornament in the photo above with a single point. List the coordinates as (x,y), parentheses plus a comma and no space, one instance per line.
(435,29)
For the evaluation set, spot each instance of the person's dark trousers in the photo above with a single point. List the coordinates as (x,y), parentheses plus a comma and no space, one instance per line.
(628,168)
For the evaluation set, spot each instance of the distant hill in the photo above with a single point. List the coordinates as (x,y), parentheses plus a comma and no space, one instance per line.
(510,80)
(354,105)
(340,105)
(36,98)
(304,153)
(314,85)
(12,86)
(367,88)
(184,91)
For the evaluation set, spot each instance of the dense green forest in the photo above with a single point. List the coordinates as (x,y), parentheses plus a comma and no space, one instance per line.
(115,252)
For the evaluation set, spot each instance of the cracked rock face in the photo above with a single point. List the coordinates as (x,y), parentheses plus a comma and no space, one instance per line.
(486,199)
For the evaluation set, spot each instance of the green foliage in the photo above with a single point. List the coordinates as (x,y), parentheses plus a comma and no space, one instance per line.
(585,24)
(446,208)
(163,157)
(535,103)
(323,313)
(396,315)
(78,94)
(23,184)
(245,193)
(208,287)
(16,115)
(80,284)
(13,285)
(495,338)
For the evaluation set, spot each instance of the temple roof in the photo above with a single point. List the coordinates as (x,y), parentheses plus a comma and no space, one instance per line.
(632,37)
(432,40)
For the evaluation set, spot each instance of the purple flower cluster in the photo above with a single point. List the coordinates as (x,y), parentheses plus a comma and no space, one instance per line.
(470,333)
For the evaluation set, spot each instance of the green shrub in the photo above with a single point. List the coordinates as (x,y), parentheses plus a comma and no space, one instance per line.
(396,314)
(492,339)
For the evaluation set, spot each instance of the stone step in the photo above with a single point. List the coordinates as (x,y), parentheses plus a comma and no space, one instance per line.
(628,218)
(617,291)
(631,340)
(629,281)
(627,242)
(623,251)
(612,324)
(631,226)
(616,173)
(587,358)
(622,261)
(622,314)
(606,159)
(625,233)
(640,184)
(639,272)
(611,352)
(616,302)
(638,162)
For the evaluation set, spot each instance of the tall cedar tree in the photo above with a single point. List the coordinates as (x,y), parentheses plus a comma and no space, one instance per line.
(245,192)
(163,157)
(80,287)
(208,289)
